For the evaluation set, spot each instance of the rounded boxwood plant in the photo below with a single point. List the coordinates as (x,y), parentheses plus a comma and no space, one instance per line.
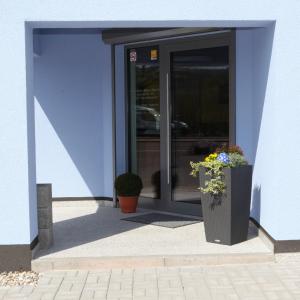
(128,184)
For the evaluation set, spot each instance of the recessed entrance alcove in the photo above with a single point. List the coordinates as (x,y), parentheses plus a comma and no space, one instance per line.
(146,100)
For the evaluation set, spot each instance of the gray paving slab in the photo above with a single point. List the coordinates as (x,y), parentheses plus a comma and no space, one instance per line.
(278,280)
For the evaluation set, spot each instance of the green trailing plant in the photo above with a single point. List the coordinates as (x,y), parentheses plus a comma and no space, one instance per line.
(214,170)
(128,184)
(214,165)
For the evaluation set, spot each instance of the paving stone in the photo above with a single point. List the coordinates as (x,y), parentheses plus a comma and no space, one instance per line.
(296,295)
(218,281)
(139,292)
(99,294)
(151,292)
(170,292)
(292,284)
(48,296)
(42,296)
(197,292)
(2,296)
(274,281)
(278,295)
(224,294)
(144,298)
(249,290)
(116,286)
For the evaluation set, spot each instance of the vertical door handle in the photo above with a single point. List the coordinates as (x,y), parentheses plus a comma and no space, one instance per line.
(168,128)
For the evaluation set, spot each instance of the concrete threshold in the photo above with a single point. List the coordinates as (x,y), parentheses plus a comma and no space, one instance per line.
(90,263)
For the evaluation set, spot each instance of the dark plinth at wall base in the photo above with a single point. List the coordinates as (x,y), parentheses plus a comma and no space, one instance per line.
(16,257)
(287,246)
(279,246)
(34,243)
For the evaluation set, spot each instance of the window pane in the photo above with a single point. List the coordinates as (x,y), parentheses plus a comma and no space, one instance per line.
(144,103)
(200,112)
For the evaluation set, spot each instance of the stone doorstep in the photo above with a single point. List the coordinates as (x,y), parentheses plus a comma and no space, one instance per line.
(82,203)
(91,263)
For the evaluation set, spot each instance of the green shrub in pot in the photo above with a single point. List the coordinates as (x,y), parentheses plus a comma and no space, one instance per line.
(128,187)
(128,184)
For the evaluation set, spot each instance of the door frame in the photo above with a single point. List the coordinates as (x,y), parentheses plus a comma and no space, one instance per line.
(208,40)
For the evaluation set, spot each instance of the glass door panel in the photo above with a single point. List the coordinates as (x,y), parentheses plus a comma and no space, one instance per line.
(199,88)
(144,117)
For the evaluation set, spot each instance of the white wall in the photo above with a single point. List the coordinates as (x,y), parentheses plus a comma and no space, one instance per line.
(73,114)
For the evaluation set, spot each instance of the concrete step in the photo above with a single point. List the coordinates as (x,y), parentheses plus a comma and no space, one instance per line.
(89,263)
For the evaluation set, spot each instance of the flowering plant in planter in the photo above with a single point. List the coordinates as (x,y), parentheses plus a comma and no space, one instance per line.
(225,185)
(214,163)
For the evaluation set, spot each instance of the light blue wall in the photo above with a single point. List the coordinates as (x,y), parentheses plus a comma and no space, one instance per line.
(18,221)
(244,92)
(267,125)
(31,134)
(73,114)
(275,118)
(253,59)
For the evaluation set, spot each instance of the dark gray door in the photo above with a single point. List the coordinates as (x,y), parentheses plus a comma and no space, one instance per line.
(196,83)
(181,104)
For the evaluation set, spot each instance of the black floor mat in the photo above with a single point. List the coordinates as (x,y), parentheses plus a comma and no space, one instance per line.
(164,220)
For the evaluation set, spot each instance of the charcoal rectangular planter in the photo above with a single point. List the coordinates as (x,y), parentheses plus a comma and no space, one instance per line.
(226,218)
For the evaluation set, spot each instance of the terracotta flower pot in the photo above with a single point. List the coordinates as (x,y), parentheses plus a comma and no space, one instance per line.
(128,204)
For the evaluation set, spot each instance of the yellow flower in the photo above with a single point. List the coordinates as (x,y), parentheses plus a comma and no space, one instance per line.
(211,157)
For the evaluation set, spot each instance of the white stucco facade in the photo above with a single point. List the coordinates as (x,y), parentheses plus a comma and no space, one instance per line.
(267,106)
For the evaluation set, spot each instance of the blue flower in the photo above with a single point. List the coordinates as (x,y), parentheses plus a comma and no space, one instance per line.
(223,157)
